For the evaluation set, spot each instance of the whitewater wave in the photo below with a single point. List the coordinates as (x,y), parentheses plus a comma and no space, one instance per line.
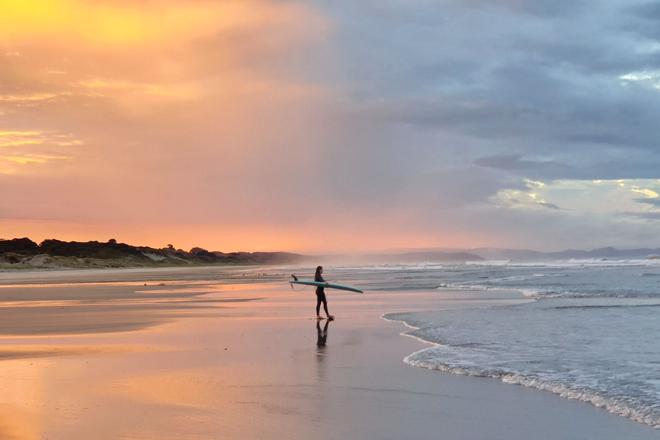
(570,263)
(621,406)
(544,292)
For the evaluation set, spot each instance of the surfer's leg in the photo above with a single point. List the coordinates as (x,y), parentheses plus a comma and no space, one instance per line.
(325,306)
(318,305)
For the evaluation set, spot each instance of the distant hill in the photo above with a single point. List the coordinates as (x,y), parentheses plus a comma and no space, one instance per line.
(599,253)
(424,256)
(25,253)
(479,254)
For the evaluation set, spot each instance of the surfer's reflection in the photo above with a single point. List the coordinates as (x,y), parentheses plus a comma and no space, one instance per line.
(322,335)
(321,350)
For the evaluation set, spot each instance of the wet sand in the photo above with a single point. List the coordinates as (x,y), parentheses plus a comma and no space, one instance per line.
(111,358)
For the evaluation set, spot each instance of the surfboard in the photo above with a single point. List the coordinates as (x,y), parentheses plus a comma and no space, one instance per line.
(326,285)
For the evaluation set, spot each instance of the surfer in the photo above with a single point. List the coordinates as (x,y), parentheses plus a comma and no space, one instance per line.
(320,294)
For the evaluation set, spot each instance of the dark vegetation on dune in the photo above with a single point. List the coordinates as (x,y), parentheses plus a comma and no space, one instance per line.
(23,252)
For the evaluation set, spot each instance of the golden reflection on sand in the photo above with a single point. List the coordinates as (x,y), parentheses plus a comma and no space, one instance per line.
(35,351)
(176,373)
(85,361)
(17,424)
(195,388)
(21,391)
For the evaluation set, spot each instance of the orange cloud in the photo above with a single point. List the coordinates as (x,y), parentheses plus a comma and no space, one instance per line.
(144,120)
(105,22)
(19,149)
(118,23)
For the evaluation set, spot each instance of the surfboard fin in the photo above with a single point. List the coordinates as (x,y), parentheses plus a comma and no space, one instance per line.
(295,278)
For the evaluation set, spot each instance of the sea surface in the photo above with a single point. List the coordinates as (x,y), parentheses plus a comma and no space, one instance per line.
(590,330)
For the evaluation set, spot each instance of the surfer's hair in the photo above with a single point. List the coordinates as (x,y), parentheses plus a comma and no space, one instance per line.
(319,269)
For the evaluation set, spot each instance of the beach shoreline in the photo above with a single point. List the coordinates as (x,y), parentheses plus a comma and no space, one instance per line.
(245,360)
(513,379)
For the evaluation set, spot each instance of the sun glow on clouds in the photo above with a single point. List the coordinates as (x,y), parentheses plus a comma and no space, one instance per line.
(643,77)
(114,23)
(646,192)
(23,148)
(181,117)
(29,98)
(530,197)
(628,197)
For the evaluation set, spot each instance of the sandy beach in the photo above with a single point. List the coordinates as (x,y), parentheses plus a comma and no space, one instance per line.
(200,355)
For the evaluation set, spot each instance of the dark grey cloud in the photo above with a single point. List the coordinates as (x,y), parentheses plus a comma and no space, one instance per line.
(647,10)
(535,169)
(646,201)
(543,8)
(544,75)
(645,18)
(651,216)
(476,96)
(549,205)
(630,168)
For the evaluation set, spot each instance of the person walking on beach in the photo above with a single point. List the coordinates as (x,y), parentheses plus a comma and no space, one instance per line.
(320,295)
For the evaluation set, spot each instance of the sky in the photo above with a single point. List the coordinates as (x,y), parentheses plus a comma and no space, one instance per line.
(331,126)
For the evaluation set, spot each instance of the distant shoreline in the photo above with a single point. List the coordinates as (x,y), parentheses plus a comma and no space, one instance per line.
(110,266)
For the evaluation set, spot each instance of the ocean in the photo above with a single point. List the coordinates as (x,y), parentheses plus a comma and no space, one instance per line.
(590,330)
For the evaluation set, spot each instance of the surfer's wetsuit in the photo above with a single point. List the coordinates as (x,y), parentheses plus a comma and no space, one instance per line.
(320,295)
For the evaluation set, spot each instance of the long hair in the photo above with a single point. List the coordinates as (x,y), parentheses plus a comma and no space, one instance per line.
(318,271)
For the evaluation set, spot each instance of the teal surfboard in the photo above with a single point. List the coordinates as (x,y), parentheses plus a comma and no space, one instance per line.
(326,285)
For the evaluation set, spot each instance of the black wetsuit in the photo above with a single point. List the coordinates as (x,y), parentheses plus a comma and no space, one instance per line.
(320,295)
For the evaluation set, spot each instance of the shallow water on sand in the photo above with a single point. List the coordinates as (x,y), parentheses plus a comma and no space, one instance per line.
(589,332)
(77,353)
